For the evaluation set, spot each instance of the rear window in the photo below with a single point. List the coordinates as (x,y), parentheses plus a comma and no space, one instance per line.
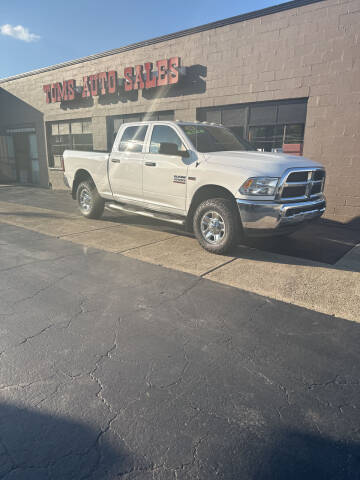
(132,139)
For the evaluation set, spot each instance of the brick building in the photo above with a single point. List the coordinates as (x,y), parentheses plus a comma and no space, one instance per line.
(288,74)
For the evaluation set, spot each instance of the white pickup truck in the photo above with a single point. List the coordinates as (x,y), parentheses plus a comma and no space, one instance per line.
(199,175)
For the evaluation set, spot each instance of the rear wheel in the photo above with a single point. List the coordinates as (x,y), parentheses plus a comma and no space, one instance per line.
(216,225)
(90,203)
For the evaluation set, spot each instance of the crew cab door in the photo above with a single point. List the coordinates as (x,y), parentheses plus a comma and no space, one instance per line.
(164,173)
(126,163)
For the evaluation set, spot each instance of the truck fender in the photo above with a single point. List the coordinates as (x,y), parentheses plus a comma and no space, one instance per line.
(206,192)
(79,177)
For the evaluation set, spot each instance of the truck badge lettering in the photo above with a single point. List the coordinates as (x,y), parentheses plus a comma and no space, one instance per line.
(179,179)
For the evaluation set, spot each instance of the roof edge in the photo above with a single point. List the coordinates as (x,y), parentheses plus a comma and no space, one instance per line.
(182,33)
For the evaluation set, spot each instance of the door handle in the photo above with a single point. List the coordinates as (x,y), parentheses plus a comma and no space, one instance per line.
(150,164)
(115,160)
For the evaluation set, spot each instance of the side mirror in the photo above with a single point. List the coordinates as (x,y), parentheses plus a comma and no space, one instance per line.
(167,148)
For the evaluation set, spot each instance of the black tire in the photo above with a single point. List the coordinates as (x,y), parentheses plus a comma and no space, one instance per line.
(94,205)
(216,209)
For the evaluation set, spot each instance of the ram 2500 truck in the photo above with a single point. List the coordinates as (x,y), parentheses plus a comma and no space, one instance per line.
(199,175)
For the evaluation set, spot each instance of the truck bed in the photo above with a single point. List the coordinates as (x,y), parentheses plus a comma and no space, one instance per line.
(96,163)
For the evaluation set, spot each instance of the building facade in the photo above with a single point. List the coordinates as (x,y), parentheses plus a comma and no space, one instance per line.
(286,77)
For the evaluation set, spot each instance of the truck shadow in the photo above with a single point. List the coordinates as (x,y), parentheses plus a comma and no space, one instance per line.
(292,454)
(325,241)
(40,445)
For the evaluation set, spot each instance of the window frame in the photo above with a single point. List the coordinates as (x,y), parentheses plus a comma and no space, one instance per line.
(49,136)
(123,128)
(179,133)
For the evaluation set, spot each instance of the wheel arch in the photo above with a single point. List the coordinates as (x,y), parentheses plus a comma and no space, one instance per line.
(205,192)
(80,176)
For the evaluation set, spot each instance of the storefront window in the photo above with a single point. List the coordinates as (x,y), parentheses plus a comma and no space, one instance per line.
(267,125)
(68,135)
(267,138)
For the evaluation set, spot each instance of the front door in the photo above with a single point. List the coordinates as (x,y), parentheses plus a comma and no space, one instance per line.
(22,157)
(125,166)
(165,175)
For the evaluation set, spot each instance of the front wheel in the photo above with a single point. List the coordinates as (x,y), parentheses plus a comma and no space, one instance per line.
(216,225)
(90,203)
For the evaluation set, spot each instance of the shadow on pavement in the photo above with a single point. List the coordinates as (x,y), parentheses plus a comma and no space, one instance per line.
(39,446)
(322,241)
(304,456)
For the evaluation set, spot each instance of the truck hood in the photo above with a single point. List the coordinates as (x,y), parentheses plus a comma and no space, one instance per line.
(262,163)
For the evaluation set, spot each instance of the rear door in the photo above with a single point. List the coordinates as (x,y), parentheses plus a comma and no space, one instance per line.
(126,163)
(165,176)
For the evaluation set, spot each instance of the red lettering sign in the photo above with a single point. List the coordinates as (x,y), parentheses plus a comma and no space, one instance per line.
(86,89)
(139,82)
(54,93)
(150,80)
(112,82)
(104,83)
(162,66)
(93,80)
(62,91)
(173,65)
(47,90)
(71,84)
(128,74)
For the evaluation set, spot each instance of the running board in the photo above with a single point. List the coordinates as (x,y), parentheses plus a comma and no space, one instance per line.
(145,213)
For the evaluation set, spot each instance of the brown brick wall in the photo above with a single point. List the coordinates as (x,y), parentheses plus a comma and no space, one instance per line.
(311,51)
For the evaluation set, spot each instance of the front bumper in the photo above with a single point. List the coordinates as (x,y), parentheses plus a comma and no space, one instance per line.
(271,218)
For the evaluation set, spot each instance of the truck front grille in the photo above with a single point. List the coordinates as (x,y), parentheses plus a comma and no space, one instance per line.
(301,184)
(296,211)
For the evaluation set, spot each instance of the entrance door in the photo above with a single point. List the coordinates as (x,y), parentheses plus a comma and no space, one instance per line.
(22,157)
(23,150)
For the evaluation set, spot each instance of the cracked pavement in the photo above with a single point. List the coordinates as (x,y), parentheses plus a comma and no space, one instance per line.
(115,368)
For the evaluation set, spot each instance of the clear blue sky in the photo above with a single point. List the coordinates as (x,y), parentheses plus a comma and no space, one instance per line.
(72,29)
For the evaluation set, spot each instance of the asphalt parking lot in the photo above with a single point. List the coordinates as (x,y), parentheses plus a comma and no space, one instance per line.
(150,364)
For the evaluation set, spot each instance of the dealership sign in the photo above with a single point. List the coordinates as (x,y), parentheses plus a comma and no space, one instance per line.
(107,83)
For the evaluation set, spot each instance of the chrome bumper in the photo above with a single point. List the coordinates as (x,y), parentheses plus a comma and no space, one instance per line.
(270,218)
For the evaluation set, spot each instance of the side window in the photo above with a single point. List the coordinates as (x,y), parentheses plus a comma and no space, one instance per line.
(164,134)
(132,139)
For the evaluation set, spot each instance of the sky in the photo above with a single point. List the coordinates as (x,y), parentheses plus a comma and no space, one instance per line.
(38,33)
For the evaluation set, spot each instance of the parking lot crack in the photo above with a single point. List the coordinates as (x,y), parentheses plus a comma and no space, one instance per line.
(50,285)
(26,339)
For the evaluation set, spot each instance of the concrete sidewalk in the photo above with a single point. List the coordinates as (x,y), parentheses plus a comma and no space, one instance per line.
(331,289)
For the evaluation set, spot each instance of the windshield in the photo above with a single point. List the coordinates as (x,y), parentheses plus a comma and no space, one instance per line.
(207,138)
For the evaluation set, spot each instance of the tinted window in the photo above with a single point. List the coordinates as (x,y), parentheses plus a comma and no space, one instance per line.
(132,139)
(163,134)
(214,139)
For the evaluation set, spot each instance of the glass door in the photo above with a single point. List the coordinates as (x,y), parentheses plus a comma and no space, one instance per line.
(35,170)
(22,146)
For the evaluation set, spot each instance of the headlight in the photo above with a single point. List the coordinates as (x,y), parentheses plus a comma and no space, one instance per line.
(259,186)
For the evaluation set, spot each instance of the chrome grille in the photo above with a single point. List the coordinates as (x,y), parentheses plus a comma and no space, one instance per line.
(301,184)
